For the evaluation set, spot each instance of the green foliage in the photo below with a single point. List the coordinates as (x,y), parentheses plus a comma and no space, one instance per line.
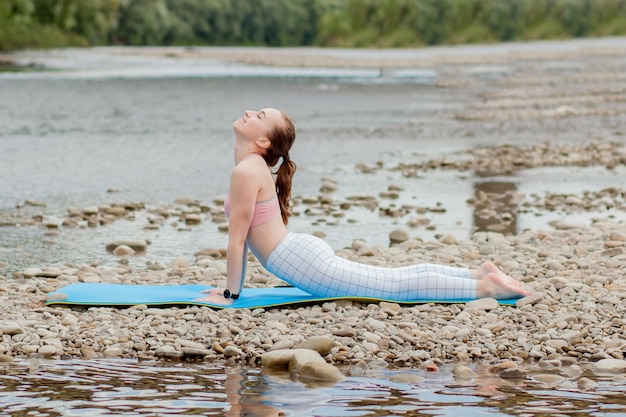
(56,23)
(575,16)
(613,27)
(402,37)
(475,33)
(333,29)
(548,29)
(505,19)
(380,23)
(144,22)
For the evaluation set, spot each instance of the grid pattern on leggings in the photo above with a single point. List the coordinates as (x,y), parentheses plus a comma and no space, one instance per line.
(310,264)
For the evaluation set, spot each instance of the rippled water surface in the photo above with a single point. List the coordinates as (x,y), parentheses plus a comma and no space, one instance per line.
(119,388)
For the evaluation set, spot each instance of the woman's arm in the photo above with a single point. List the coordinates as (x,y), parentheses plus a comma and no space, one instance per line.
(244,187)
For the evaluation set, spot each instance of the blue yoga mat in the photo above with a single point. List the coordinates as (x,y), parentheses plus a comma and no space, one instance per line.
(128,295)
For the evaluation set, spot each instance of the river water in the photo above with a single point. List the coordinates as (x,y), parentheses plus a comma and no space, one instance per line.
(131,388)
(110,125)
(98,126)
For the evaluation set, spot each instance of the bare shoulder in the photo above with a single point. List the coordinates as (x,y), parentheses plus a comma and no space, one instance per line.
(249,170)
(250,165)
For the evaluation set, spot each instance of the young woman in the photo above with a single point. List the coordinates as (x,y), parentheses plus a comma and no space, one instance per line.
(258,210)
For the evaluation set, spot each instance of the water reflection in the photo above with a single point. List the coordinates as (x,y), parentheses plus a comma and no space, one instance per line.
(495,207)
(125,387)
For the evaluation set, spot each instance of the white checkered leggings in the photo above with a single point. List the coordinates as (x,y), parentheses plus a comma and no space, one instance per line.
(309,263)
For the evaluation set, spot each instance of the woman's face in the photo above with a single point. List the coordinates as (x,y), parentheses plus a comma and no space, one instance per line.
(256,124)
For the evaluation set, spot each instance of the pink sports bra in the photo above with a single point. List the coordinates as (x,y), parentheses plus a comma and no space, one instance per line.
(264,211)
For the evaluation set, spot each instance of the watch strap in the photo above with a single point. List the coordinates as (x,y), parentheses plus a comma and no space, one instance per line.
(228,294)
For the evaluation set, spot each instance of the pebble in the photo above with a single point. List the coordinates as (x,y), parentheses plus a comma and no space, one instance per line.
(399,235)
(483,304)
(57,296)
(586,384)
(87,352)
(48,351)
(232,351)
(513,373)
(31,272)
(193,352)
(136,245)
(11,329)
(123,250)
(610,366)
(463,373)
(407,378)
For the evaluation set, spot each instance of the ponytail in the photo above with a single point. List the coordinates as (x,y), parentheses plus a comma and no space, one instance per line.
(284,176)
(281,139)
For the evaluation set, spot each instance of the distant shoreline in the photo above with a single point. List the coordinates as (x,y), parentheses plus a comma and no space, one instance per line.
(393,58)
(366,58)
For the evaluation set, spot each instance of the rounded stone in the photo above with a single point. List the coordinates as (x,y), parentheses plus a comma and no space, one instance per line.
(123,250)
(399,235)
(320,344)
(610,366)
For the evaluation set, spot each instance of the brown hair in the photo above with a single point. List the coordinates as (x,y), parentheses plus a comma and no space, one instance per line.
(281,140)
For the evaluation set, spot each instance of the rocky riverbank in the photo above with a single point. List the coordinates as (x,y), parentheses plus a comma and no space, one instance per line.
(574,315)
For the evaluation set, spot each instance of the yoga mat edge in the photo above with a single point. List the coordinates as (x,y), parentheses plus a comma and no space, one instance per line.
(126,295)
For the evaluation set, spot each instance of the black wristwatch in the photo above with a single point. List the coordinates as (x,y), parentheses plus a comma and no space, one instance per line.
(228,294)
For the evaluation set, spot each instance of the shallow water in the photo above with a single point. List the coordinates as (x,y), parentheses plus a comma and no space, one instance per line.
(117,387)
(103,126)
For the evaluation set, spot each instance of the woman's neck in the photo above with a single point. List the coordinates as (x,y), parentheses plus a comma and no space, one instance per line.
(241,154)
(244,148)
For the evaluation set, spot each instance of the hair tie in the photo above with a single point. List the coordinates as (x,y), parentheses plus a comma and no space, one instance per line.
(286,157)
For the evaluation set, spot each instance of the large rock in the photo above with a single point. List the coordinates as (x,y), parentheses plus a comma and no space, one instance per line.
(304,363)
(309,364)
(302,357)
(320,344)
(277,358)
(320,371)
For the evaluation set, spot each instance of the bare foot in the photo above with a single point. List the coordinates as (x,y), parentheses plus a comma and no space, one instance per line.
(489,268)
(499,286)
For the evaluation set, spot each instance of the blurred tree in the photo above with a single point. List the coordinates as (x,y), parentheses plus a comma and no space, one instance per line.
(96,19)
(333,28)
(433,21)
(200,21)
(505,19)
(144,22)
(575,16)
(45,23)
